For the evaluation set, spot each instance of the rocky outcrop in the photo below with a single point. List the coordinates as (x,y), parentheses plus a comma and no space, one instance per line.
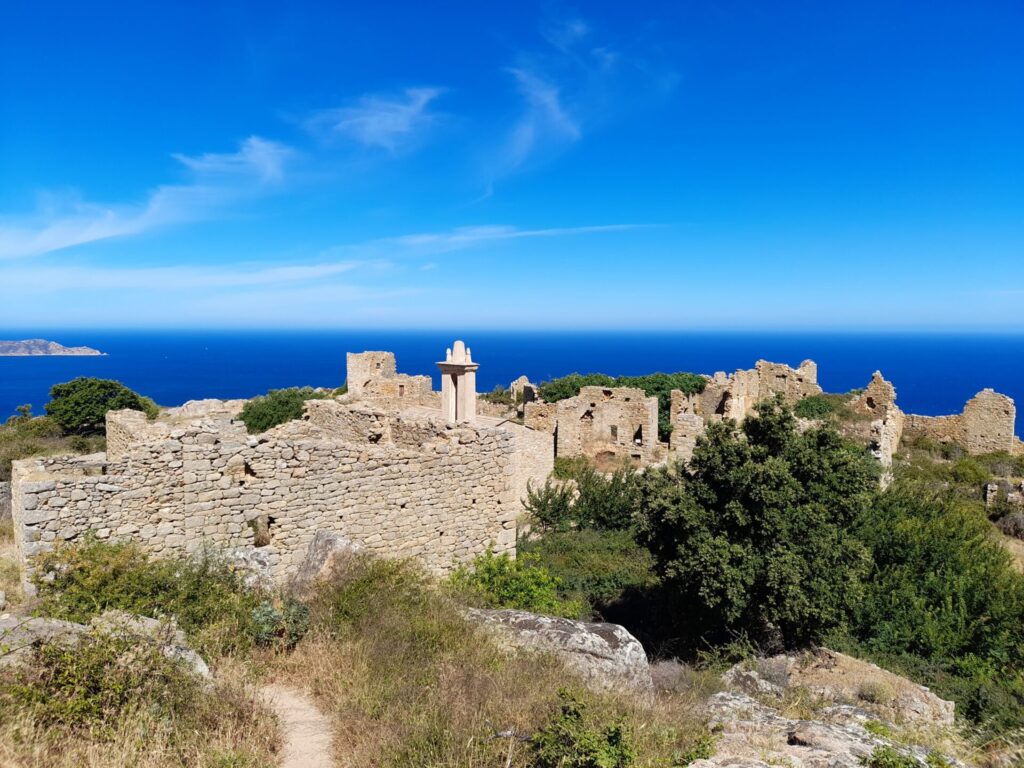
(841,678)
(40,348)
(753,735)
(606,656)
(19,635)
(325,556)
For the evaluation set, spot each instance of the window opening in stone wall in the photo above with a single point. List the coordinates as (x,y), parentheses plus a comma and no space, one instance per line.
(401,390)
(614,432)
(638,436)
(261,530)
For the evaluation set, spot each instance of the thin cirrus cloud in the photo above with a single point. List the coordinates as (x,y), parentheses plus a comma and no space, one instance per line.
(217,181)
(386,122)
(333,264)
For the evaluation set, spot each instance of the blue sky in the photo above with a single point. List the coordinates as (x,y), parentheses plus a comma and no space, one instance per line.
(792,165)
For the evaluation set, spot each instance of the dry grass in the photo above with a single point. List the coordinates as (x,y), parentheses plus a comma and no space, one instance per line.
(237,731)
(409,682)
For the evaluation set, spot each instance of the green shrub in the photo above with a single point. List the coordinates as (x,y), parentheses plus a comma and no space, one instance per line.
(568,467)
(91,683)
(206,597)
(25,436)
(499,396)
(887,757)
(594,566)
(283,624)
(278,406)
(81,405)
(814,407)
(594,500)
(499,581)
(573,740)
(969,471)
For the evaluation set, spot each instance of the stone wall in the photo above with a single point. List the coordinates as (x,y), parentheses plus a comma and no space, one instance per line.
(5,501)
(734,396)
(605,423)
(985,425)
(686,427)
(429,491)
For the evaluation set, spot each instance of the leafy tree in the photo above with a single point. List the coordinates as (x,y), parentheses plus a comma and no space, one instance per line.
(755,537)
(277,407)
(81,405)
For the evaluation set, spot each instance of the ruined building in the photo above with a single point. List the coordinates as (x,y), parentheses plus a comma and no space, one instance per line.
(607,424)
(616,423)
(383,466)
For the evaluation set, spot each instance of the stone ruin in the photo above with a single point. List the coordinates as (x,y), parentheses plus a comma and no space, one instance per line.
(399,469)
(620,423)
(985,425)
(606,424)
(382,465)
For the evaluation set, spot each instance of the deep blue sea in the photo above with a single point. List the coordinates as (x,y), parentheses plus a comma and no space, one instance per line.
(933,374)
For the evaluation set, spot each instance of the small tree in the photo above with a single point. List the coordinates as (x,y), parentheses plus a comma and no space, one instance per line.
(277,407)
(80,406)
(756,538)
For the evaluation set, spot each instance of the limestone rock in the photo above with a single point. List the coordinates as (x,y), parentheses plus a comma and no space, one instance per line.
(254,565)
(166,633)
(838,677)
(18,635)
(751,734)
(327,552)
(605,655)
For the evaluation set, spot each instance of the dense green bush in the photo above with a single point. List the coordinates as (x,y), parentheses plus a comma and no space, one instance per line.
(943,603)
(277,407)
(574,740)
(594,566)
(81,405)
(590,500)
(204,594)
(658,385)
(755,538)
(499,581)
(499,396)
(814,407)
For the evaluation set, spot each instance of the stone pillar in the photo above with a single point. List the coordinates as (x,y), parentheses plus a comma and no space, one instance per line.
(458,384)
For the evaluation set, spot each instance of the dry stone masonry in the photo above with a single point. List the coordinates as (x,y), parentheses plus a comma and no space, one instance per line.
(395,483)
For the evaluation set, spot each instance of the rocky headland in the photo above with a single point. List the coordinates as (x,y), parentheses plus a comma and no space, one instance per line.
(41,348)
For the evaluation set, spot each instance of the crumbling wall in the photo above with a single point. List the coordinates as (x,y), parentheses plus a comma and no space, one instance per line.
(734,396)
(877,399)
(985,425)
(686,427)
(362,368)
(609,423)
(541,416)
(533,458)
(205,482)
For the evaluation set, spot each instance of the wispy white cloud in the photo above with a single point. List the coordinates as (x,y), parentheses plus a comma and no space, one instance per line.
(217,181)
(544,120)
(388,122)
(332,264)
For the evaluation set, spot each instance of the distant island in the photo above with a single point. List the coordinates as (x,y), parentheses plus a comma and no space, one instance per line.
(41,347)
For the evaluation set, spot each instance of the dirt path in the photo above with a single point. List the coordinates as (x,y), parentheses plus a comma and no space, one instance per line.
(306,731)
